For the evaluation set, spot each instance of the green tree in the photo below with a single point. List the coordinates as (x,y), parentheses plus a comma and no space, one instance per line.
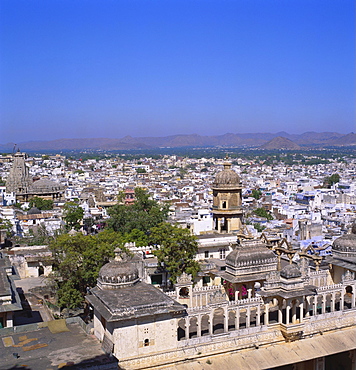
(7,226)
(262,212)
(256,194)
(177,249)
(41,204)
(77,261)
(329,181)
(73,214)
(142,215)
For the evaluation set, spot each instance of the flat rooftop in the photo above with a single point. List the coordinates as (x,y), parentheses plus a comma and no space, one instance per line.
(59,345)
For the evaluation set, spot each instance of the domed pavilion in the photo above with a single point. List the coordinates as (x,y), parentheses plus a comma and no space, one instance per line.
(343,260)
(132,318)
(227,211)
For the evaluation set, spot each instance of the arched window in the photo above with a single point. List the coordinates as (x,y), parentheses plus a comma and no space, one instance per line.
(146,342)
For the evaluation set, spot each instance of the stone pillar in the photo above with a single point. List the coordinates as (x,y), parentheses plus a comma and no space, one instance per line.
(307,307)
(315,305)
(237,319)
(211,320)
(301,311)
(249,293)
(199,326)
(219,225)
(187,327)
(287,312)
(342,300)
(258,315)
(266,317)
(294,313)
(280,314)
(236,295)
(226,320)
(323,306)
(332,302)
(248,317)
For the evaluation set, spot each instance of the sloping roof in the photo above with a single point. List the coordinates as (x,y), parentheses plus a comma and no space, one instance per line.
(278,354)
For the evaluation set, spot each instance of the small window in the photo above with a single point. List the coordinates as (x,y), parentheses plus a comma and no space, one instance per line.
(206,254)
(222,253)
(224,204)
(146,342)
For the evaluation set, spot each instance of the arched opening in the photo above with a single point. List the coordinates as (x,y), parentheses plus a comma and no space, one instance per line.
(184,292)
(40,270)
(181,329)
(205,325)
(193,327)
(231,320)
(224,204)
(218,321)
(348,297)
(146,342)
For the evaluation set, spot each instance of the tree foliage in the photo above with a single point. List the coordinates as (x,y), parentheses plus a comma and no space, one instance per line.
(41,204)
(177,249)
(142,215)
(256,194)
(329,181)
(73,214)
(262,212)
(77,261)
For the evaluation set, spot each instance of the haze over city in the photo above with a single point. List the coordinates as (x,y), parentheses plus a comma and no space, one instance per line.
(86,69)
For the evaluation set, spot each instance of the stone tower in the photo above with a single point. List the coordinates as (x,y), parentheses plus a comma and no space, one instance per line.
(19,180)
(227,211)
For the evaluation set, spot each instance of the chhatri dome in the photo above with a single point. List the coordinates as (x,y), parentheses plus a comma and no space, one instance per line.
(345,246)
(226,178)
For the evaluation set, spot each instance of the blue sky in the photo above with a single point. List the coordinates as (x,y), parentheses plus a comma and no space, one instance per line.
(111,68)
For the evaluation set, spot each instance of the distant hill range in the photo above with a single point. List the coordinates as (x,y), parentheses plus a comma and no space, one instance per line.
(280,140)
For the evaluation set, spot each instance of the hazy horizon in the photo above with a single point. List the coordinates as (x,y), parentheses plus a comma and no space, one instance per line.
(110,69)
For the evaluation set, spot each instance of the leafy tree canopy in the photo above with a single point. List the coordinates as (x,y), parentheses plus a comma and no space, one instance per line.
(177,249)
(73,214)
(329,181)
(77,261)
(142,215)
(262,212)
(256,194)
(41,204)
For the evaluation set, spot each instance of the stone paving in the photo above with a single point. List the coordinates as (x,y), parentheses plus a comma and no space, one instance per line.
(42,349)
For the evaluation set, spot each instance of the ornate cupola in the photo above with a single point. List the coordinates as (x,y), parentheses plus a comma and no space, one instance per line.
(227,211)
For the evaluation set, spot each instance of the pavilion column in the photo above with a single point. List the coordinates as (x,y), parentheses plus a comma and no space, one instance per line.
(226,320)
(280,314)
(219,224)
(323,306)
(258,315)
(237,319)
(211,328)
(287,312)
(294,313)
(353,303)
(248,317)
(332,302)
(199,326)
(266,318)
(249,293)
(187,327)
(315,305)
(342,300)
(236,295)
(301,310)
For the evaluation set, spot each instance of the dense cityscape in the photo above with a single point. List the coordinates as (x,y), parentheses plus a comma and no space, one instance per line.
(203,236)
